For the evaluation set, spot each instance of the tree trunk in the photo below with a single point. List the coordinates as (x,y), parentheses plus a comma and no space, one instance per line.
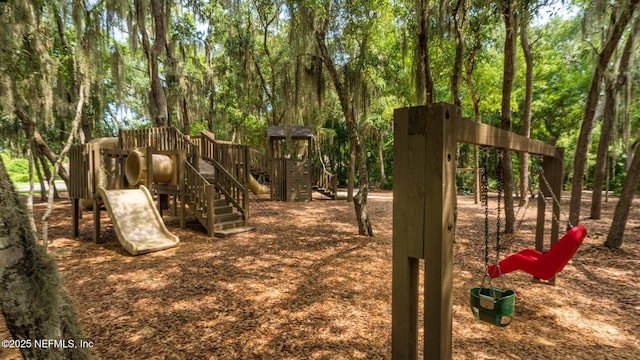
(603,148)
(505,120)
(477,116)
(615,31)
(526,112)
(621,214)
(186,122)
(41,144)
(626,127)
(383,177)
(611,91)
(34,303)
(360,199)
(352,172)
(459,14)
(37,160)
(47,176)
(158,105)
(425,89)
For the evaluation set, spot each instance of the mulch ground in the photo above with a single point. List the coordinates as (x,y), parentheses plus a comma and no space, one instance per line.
(303,285)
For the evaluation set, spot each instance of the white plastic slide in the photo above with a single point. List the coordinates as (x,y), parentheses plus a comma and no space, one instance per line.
(136,220)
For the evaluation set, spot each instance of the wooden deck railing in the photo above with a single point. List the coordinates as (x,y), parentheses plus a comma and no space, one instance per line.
(162,139)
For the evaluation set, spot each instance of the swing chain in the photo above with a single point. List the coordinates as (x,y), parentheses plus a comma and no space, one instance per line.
(500,191)
(553,196)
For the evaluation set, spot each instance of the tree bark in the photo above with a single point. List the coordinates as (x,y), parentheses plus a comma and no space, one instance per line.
(33,301)
(603,148)
(360,199)
(425,88)
(477,116)
(383,176)
(526,111)
(158,105)
(616,29)
(28,123)
(621,214)
(611,90)
(459,17)
(508,17)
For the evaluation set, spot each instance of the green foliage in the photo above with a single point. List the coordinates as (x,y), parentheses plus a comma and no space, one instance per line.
(17,169)
(238,67)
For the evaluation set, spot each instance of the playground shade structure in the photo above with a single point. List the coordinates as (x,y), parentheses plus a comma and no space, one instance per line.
(136,220)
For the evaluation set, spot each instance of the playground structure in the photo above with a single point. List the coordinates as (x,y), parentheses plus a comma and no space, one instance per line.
(206,174)
(426,139)
(292,177)
(290,174)
(213,177)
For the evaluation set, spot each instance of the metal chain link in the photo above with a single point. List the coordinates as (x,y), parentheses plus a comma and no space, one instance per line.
(500,191)
(553,195)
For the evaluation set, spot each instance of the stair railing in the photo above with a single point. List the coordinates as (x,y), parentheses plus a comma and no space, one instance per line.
(230,162)
(327,180)
(201,197)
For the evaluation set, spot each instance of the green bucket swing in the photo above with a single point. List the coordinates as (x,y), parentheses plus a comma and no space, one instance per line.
(491,304)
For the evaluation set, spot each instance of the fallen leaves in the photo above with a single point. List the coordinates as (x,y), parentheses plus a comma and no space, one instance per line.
(304,285)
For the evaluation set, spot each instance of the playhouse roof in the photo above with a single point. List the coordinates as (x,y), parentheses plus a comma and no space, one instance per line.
(290,132)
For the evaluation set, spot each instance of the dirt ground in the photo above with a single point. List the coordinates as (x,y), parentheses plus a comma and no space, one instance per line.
(304,286)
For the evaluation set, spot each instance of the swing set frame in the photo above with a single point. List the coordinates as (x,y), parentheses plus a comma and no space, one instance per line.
(426,139)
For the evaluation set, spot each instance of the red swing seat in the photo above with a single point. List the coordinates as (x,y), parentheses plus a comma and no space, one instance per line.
(542,265)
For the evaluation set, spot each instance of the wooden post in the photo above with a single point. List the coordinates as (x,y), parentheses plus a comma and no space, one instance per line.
(408,217)
(553,170)
(210,191)
(423,216)
(95,169)
(77,213)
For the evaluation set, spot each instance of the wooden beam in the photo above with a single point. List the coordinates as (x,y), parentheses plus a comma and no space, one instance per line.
(470,132)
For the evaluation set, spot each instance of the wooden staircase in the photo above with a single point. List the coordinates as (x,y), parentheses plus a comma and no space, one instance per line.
(218,196)
(326,183)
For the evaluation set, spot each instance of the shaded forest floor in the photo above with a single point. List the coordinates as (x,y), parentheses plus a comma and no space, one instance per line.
(304,286)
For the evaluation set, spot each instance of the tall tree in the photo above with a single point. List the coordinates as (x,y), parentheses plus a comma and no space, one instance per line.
(621,14)
(510,25)
(613,84)
(159,9)
(425,88)
(320,22)
(621,213)
(528,101)
(33,301)
(459,14)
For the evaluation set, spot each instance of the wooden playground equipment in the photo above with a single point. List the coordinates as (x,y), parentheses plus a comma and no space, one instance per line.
(292,178)
(206,174)
(213,177)
(426,139)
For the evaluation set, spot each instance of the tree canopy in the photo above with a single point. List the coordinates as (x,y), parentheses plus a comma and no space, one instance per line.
(235,67)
